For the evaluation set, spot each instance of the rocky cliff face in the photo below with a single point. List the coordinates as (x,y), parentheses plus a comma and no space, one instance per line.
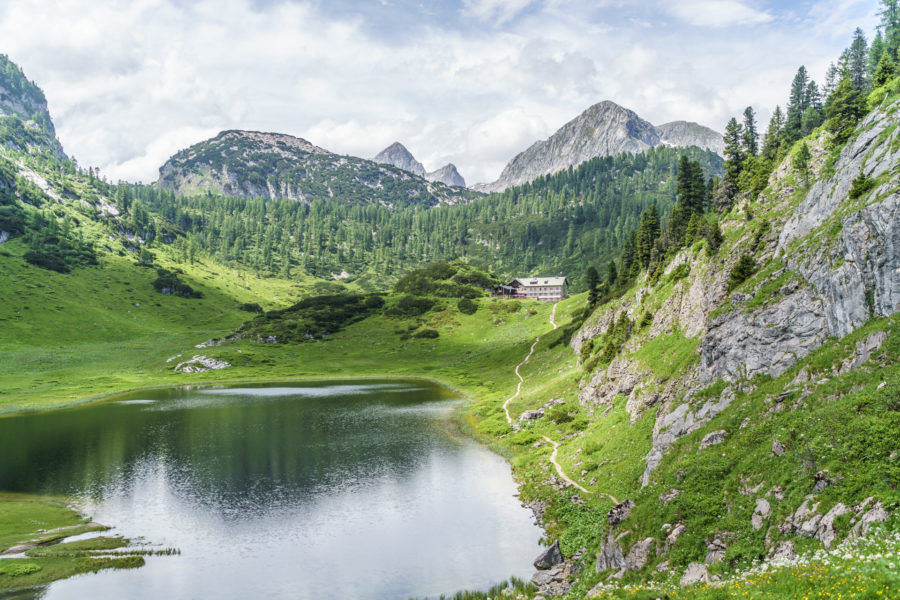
(398,156)
(827,264)
(603,129)
(23,104)
(271,165)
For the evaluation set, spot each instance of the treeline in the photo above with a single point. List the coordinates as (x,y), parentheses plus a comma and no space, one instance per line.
(854,84)
(546,226)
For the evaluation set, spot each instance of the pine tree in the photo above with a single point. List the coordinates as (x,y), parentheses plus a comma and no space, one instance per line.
(592,278)
(843,110)
(885,70)
(801,163)
(876,51)
(647,233)
(832,77)
(890,24)
(750,137)
(797,103)
(774,134)
(734,153)
(858,60)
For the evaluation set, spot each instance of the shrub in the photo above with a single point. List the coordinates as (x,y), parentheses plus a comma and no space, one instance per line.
(251,307)
(680,272)
(467,307)
(742,271)
(409,306)
(168,283)
(560,414)
(427,334)
(861,186)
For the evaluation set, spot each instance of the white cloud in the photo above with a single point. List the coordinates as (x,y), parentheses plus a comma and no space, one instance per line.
(129,84)
(717,13)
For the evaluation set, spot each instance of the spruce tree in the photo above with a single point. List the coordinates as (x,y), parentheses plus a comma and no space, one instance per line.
(801,163)
(750,137)
(843,110)
(858,58)
(885,70)
(797,103)
(734,152)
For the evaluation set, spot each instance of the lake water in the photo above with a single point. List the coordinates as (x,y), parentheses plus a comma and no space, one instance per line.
(356,490)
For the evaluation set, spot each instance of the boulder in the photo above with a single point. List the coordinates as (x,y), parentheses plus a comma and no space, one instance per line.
(553,581)
(715,549)
(784,552)
(620,512)
(550,557)
(713,438)
(638,555)
(672,538)
(669,496)
(821,481)
(826,532)
(760,513)
(695,573)
(532,415)
(876,515)
(610,556)
(777,448)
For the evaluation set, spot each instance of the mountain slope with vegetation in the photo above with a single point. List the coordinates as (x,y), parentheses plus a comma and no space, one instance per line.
(251,164)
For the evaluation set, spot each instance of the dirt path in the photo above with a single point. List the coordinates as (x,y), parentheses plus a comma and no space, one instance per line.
(559,469)
(519,375)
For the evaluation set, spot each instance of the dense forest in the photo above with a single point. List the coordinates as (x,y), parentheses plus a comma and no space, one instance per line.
(547,226)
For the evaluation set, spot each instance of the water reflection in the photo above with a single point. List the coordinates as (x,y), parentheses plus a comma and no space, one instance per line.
(314,491)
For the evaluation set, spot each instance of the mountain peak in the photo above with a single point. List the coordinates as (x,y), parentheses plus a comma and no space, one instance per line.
(398,156)
(603,129)
(447,175)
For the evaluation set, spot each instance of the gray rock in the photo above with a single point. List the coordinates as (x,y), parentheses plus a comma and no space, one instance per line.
(864,350)
(554,581)
(715,549)
(784,552)
(619,512)
(201,364)
(713,438)
(669,496)
(876,515)
(821,481)
(4,236)
(777,448)
(826,532)
(638,554)
(610,556)
(672,538)
(550,557)
(695,573)
(532,415)
(760,513)
(663,567)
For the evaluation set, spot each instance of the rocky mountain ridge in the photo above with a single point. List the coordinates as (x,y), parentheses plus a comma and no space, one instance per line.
(23,109)
(398,156)
(272,165)
(603,129)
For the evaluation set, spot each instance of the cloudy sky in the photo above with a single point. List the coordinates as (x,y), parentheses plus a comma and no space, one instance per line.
(472,82)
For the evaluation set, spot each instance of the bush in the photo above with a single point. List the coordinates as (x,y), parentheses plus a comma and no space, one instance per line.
(741,272)
(560,414)
(680,272)
(168,283)
(409,306)
(251,307)
(374,301)
(467,307)
(427,334)
(861,186)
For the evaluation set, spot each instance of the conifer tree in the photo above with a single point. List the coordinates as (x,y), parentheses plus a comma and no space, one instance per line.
(734,153)
(774,133)
(797,103)
(884,71)
(857,60)
(801,163)
(750,137)
(843,110)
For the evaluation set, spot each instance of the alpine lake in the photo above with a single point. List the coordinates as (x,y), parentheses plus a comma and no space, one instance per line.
(360,489)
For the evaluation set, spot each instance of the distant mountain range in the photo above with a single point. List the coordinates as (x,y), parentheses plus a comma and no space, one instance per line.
(273,165)
(398,156)
(604,129)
